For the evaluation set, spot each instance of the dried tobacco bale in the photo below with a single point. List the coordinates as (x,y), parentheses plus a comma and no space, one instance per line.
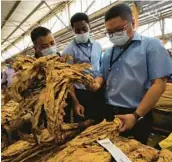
(9,112)
(144,153)
(23,150)
(22,62)
(44,82)
(2,98)
(84,147)
(91,154)
(47,81)
(16,148)
(14,116)
(165,156)
(96,132)
(126,145)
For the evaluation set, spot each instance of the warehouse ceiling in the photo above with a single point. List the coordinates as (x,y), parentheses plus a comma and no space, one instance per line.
(150,12)
(18,18)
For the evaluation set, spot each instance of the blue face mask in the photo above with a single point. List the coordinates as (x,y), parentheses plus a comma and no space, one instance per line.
(49,51)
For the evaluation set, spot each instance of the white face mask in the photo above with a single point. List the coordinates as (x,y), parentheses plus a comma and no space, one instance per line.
(82,38)
(120,40)
(49,51)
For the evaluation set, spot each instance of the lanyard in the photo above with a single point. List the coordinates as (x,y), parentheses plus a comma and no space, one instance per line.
(89,57)
(120,54)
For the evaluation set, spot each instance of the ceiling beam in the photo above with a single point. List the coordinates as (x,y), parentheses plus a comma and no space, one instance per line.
(150,20)
(97,20)
(26,18)
(62,40)
(161,11)
(53,12)
(156,7)
(10,13)
(59,7)
(91,4)
(93,16)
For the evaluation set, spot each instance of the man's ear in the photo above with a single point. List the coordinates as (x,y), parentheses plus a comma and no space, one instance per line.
(133,22)
(89,27)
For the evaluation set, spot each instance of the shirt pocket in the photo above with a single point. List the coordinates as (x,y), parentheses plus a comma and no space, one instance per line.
(135,58)
(135,66)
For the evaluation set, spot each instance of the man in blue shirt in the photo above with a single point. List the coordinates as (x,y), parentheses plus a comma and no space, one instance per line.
(135,71)
(85,50)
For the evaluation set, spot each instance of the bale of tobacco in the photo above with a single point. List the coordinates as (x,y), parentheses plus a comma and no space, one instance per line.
(85,147)
(27,149)
(42,85)
(45,83)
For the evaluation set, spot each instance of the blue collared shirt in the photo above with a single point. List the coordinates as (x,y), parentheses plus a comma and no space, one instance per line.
(145,60)
(82,54)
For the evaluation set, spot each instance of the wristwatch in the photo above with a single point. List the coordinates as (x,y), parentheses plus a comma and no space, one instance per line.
(137,116)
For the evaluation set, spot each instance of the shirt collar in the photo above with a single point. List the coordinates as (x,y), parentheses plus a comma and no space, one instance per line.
(137,37)
(91,41)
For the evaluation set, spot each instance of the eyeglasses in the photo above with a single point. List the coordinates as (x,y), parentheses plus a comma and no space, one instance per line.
(116,32)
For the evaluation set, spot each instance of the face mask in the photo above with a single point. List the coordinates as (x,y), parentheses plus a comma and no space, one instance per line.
(82,38)
(49,51)
(120,40)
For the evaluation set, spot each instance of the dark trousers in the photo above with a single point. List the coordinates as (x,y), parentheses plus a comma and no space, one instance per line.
(142,129)
(93,102)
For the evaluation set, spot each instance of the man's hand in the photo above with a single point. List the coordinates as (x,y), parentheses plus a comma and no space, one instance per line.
(98,83)
(79,110)
(62,59)
(62,111)
(128,122)
(94,87)
(62,107)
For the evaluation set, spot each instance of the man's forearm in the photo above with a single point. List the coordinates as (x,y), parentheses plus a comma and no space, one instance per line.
(152,96)
(73,95)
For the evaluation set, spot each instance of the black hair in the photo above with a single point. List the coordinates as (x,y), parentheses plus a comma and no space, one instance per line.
(79,17)
(38,32)
(121,10)
(8,61)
